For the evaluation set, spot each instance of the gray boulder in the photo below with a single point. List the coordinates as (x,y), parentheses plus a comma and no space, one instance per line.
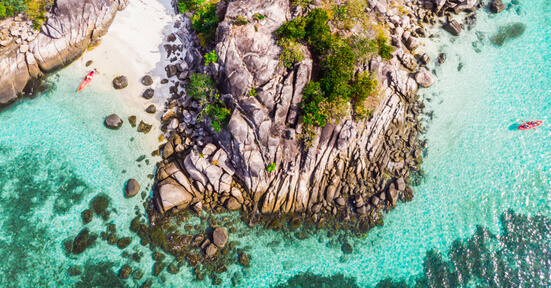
(120,82)
(412,43)
(232,204)
(171,195)
(132,188)
(151,109)
(497,6)
(220,237)
(453,27)
(113,121)
(148,93)
(147,80)
(424,78)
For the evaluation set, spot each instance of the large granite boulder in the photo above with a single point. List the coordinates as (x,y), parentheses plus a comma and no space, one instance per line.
(497,6)
(424,78)
(171,195)
(453,27)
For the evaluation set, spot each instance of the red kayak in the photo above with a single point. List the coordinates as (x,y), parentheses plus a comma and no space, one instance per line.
(86,80)
(530,125)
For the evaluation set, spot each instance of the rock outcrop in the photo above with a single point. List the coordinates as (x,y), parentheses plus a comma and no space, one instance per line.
(258,162)
(72,26)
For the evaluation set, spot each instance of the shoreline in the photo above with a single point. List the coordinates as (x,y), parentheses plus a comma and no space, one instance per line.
(123,51)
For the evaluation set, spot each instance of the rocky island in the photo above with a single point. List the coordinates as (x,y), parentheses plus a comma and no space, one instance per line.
(266,156)
(295,117)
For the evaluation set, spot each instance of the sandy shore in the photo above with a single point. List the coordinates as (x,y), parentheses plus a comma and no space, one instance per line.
(133,48)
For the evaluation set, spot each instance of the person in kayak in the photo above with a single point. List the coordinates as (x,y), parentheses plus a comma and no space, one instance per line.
(91,74)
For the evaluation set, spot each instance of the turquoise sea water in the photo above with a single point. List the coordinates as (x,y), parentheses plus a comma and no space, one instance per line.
(56,156)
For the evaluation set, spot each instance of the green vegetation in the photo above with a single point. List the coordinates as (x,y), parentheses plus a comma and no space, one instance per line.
(327,99)
(204,20)
(35,10)
(312,96)
(252,92)
(218,114)
(271,168)
(211,57)
(290,53)
(384,49)
(201,87)
(302,3)
(240,21)
(185,6)
(364,95)
(258,17)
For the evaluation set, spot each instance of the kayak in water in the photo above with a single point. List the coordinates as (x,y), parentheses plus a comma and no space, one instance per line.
(87,79)
(530,125)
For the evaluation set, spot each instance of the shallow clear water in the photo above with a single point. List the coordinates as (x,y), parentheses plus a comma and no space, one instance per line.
(56,155)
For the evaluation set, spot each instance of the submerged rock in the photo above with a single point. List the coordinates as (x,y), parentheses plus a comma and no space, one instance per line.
(74,270)
(347,248)
(86,216)
(113,121)
(132,188)
(245,260)
(82,241)
(138,274)
(120,82)
(124,242)
(132,121)
(125,271)
(509,31)
(100,203)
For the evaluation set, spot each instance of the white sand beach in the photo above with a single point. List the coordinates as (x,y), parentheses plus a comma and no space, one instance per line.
(133,48)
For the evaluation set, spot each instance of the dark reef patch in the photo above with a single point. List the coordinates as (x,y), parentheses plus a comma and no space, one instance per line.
(99,275)
(310,280)
(29,180)
(506,32)
(519,257)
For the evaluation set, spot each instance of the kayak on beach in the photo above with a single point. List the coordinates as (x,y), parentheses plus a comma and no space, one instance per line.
(87,79)
(530,125)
